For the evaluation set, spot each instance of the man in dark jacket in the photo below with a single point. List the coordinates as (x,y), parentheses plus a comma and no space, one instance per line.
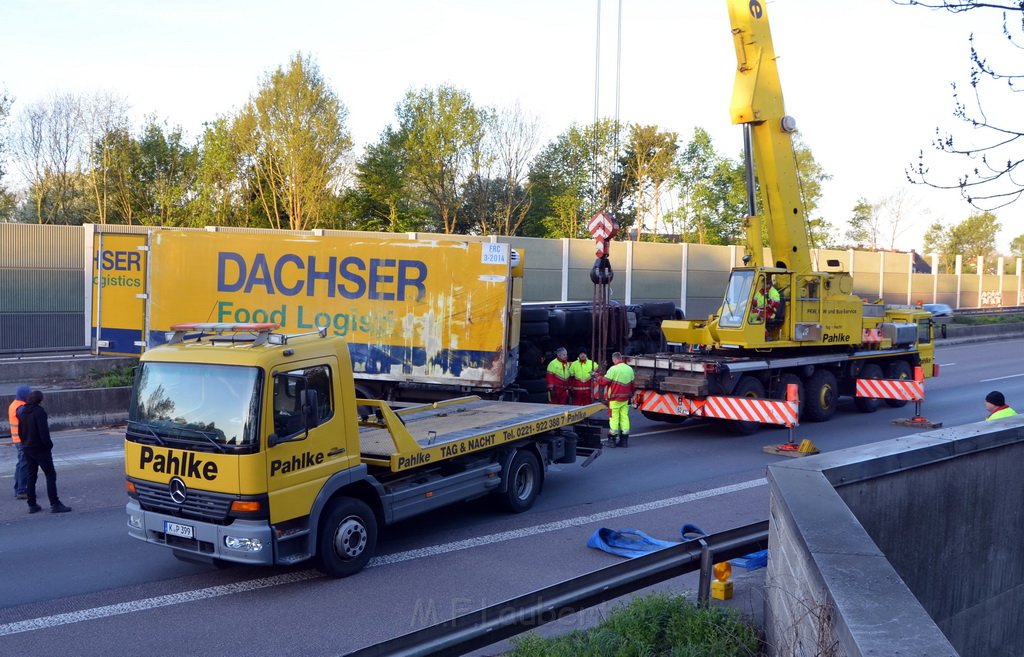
(35,439)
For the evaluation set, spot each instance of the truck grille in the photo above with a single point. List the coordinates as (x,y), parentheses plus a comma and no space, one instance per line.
(198,505)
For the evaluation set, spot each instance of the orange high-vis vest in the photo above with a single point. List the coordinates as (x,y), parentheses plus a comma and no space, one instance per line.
(12,419)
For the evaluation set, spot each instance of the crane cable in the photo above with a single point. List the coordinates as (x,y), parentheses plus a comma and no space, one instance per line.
(603,326)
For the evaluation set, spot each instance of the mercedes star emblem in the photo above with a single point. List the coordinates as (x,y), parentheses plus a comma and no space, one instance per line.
(178,491)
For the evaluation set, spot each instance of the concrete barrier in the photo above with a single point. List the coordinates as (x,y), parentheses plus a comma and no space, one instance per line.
(904,547)
(78,408)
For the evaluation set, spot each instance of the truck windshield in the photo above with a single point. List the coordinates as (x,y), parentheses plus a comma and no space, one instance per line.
(737,299)
(210,405)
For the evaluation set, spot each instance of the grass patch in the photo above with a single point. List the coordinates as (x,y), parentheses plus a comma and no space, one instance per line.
(657,625)
(116,378)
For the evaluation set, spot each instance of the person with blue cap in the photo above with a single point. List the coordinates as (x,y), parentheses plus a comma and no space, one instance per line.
(21,469)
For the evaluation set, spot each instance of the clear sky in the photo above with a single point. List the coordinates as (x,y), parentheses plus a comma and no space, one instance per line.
(867,80)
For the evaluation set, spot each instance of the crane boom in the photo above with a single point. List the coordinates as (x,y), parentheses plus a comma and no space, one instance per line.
(757,104)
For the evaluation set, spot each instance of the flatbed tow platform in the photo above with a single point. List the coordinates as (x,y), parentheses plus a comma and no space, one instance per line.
(399,438)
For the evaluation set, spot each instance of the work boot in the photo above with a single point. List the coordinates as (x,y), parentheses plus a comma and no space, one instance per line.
(613,440)
(59,508)
(623,440)
(34,508)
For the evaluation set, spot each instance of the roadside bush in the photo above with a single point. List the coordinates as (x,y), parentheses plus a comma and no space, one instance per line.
(652,626)
(116,378)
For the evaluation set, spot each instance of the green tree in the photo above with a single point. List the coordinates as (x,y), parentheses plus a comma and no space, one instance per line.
(862,230)
(572,179)
(498,194)
(712,200)
(1017,246)
(820,231)
(440,130)
(48,149)
(105,116)
(972,238)
(219,197)
(295,146)
(648,167)
(381,199)
(167,170)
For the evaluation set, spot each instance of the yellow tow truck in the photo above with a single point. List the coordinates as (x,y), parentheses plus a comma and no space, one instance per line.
(248,445)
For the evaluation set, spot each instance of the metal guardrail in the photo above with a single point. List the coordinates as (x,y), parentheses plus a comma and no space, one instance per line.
(511,617)
(1002,310)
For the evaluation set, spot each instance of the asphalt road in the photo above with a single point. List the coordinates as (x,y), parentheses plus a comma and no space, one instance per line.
(76,584)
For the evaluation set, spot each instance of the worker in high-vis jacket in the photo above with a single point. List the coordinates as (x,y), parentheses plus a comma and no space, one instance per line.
(558,377)
(995,404)
(581,371)
(13,420)
(766,301)
(619,382)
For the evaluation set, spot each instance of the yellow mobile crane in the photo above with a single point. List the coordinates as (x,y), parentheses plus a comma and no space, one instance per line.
(812,330)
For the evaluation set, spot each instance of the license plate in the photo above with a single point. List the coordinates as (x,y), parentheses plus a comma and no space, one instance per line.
(176,529)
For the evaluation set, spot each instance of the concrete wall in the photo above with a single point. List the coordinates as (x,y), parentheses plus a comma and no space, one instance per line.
(908,547)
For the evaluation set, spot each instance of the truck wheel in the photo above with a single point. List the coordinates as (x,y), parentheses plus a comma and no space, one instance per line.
(749,387)
(523,482)
(822,393)
(898,369)
(868,404)
(534,315)
(534,329)
(782,385)
(348,537)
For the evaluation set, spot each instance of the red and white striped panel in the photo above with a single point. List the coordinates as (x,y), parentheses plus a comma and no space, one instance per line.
(891,389)
(768,411)
(872,335)
(660,402)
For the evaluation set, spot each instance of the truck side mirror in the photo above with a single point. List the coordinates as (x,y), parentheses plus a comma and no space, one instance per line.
(310,409)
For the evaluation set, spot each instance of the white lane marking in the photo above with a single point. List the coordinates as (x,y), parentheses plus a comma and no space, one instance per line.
(652,433)
(46,622)
(1000,378)
(946,364)
(561,524)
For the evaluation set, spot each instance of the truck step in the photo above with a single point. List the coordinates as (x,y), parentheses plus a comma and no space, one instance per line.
(290,559)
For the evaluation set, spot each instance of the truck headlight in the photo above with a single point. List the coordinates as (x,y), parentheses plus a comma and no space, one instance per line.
(243,544)
(134,521)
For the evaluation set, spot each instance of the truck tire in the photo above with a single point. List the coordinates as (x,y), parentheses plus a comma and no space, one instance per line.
(524,478)
(868,404)
(534,315)
(659,308)
(822,393)
(347,539)
(898,369)
(534,329)
(751,388)
(782,385)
